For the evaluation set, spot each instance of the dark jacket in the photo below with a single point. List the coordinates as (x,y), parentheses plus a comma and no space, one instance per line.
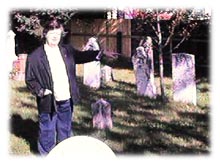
(38,74)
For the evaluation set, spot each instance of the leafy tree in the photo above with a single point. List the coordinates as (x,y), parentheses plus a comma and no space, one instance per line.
(32,20)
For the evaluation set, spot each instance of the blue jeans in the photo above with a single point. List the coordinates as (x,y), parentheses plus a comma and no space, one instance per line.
(55,127)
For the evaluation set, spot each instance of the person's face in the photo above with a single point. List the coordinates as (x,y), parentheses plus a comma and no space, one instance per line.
(53,37)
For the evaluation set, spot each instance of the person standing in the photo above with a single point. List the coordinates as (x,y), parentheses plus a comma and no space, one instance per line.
(51,76)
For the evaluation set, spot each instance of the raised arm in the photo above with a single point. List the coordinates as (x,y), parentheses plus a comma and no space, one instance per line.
(85,56)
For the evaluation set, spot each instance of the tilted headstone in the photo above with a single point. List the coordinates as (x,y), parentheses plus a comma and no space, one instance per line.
(183,73)
(91,71)
(144,71)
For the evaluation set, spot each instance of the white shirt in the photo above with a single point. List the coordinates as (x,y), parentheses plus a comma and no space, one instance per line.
(59,73)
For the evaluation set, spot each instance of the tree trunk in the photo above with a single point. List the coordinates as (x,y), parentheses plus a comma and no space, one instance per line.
(162,88)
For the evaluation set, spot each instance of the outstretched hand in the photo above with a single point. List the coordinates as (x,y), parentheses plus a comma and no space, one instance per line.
(109,54)
(109,58)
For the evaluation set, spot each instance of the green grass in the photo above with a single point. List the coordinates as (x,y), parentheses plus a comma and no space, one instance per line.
(141,125)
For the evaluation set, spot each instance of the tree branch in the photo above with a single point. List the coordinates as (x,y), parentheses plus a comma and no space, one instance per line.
(177,46)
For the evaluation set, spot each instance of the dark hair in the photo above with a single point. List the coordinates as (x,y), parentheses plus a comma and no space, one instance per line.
(51,25)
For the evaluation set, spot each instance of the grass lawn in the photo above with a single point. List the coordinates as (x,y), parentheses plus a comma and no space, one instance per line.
(141,125)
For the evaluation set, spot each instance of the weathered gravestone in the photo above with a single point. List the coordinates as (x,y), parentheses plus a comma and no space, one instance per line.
(106,74)
(101,114)
(19,66)
(91,71)
(183,73)
(144,70)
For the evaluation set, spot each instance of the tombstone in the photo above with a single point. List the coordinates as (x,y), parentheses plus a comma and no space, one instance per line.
(91,70)
(106,74)
(183,74)
(101,114)
(144,70)
(19,68)
(149,52)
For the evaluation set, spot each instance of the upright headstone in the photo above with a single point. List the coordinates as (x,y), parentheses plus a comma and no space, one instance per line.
(92,70)
(101,114)
(149,51)
(19,67)
(183,73)
(144,70)
(106,74)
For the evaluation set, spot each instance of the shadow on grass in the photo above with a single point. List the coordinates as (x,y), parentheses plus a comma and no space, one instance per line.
(137,126)
(26,129)
(139,130)
(23,89)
